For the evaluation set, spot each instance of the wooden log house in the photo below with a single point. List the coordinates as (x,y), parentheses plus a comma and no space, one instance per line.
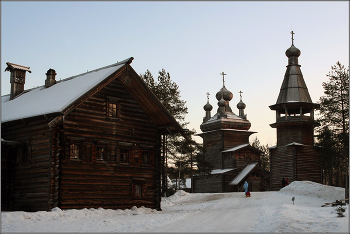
(88,141)
(294,157)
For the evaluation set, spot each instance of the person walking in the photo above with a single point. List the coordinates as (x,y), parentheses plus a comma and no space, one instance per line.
(283,182)
(245,187)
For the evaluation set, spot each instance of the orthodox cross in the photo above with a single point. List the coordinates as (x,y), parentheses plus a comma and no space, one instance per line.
(208,95)
(223,78)
(240,94)
(292,37)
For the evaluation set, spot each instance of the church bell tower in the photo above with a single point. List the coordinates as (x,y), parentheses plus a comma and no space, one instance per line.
(294,156)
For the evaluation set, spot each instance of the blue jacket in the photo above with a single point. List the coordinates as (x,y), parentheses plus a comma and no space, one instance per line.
(245,186)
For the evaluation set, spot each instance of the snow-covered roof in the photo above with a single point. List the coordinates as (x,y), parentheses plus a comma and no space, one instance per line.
(230,116)
(220,171)
(11,66)
(224,129)
(236,148)
(41,100)
(243,174)
(294,143)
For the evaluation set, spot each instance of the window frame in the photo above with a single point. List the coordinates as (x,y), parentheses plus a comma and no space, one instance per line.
(138,188)
(101,153)
(126,157)
(76,151)
(147,154)
(113,101)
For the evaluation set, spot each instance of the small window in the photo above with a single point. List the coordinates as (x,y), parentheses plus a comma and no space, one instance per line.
(145,157)
(101,153)
(112,108)
(136,156)
(138,190)
(74,151)
(124,154)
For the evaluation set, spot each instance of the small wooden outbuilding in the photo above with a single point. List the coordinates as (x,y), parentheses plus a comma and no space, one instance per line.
(88,141)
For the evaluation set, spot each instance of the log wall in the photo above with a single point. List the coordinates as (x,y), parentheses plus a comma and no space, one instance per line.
(308,165)
(295,163)
(233,138)
(282,166)
(110,183)
(295,133)
(31,176)
(213,145)
(208,184)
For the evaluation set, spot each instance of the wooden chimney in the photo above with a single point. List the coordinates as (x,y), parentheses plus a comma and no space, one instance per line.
(17,78)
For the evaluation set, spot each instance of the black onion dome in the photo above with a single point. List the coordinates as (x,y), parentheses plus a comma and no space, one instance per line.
(226,94)
(222,103)
(208,107)
(241,105)
(293,51)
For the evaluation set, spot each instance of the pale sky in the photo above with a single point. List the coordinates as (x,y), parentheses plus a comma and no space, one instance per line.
(193,41)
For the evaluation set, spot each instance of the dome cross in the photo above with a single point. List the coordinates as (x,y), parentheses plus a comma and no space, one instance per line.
(292,37)
(223,78)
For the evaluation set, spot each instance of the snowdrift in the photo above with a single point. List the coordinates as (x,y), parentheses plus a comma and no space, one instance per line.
(312,189)
(179,195)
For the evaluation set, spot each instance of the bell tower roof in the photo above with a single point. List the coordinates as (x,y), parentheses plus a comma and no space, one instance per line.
(293,89)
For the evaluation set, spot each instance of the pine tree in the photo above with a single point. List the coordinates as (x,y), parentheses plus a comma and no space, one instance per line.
(265,154)
(168,93)
(328,154)
(334,111)
(178,150)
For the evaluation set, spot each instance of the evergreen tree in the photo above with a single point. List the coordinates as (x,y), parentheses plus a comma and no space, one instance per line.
(168,93)
(328,154)
(179,152)
(334,120)
(265,154)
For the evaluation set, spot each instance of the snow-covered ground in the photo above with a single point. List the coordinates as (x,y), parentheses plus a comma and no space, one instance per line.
(201,212)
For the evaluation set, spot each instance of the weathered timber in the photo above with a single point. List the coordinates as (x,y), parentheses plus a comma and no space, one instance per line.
(100,150)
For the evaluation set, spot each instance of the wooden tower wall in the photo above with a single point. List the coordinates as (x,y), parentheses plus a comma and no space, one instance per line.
(308,165)
(213,145)
(295,133)
(282,166)
(235,138)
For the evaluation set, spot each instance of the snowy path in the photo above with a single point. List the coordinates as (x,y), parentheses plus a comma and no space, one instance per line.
(219,213)
(200,212)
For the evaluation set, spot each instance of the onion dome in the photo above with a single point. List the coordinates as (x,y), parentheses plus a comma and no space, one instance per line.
(208,107)
(226,94)
(293,51)
(241,105)
(222,103)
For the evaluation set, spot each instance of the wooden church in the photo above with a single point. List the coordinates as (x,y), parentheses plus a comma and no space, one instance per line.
(92,140)
(294,157)
(226,146)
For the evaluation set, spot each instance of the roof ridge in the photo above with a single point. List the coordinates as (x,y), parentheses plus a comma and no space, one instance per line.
(127,61)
